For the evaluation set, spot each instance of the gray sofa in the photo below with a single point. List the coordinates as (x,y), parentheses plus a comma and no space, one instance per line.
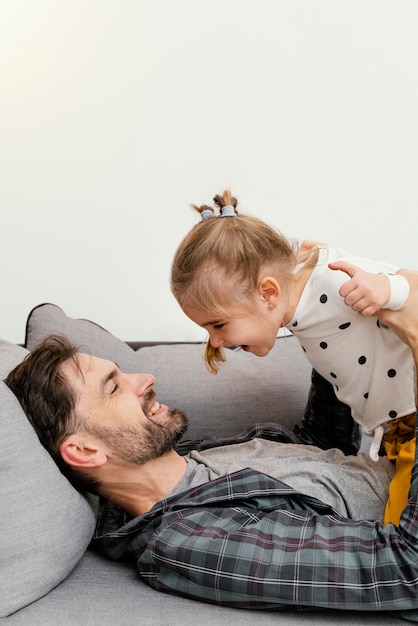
(49,574)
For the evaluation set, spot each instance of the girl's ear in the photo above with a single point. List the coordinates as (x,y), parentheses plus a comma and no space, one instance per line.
(269,290)
(77,453)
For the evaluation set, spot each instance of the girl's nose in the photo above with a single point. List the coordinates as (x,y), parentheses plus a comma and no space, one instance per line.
(215,342)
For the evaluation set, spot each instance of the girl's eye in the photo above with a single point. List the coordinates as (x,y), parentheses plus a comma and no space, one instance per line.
(115,388)
(218,326)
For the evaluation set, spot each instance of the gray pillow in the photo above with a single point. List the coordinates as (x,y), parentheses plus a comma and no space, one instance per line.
(45,525)
(246,390)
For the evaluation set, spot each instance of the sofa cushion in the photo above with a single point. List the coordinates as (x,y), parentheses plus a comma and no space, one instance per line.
(246,390)
(45,525)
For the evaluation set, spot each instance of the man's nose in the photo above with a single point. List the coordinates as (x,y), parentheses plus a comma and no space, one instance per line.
(142,383)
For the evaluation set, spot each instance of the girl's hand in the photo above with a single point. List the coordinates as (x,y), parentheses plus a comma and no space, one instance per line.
(365,292)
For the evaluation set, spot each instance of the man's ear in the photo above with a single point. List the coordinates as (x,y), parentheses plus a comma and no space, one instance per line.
(78,453)
(269,290)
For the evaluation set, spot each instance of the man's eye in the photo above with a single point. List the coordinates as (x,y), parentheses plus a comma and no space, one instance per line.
(115,388)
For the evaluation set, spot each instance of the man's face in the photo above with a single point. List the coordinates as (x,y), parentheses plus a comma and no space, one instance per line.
(122,410)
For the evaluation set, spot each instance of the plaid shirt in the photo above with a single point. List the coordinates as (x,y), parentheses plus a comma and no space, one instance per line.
(248,540)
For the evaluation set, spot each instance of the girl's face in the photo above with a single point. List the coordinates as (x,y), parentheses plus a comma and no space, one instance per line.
(253,331)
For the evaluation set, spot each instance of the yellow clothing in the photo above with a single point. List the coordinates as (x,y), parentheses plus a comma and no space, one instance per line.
(400,448)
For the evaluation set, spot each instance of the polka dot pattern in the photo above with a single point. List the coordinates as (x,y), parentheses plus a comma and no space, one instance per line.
(351,352)
(344,326)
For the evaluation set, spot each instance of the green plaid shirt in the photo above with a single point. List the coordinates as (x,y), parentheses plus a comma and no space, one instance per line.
(248,540)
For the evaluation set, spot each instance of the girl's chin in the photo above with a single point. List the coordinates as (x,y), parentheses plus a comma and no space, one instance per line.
(256,351)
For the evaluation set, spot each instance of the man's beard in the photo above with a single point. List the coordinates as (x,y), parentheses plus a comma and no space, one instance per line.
(144,442)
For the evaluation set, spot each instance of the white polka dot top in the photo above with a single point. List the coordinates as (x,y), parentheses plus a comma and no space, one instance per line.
(371,369)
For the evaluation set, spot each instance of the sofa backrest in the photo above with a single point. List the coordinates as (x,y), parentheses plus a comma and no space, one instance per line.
(247,389)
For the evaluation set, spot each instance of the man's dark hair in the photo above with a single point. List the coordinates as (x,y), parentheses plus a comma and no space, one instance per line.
(49,400)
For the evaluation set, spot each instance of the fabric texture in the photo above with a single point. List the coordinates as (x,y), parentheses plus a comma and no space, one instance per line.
(100,592)
(400,448)
(247,390)
(45,525)
(356,487)
(328,422)
(248,540)
(370,368)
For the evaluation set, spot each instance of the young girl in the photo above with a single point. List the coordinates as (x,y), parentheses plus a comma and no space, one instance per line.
(242,280)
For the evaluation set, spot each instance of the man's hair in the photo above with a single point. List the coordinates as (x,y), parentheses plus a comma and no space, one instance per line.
(49,400)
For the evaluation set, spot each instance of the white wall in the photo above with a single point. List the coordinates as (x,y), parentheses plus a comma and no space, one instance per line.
(116,114)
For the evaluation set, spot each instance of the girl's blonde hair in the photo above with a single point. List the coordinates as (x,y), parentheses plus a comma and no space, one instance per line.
(222,248)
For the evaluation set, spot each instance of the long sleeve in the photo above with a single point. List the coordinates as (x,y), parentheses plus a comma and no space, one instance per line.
(248,540)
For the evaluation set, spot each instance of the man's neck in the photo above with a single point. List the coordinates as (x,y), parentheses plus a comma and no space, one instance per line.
(138,488)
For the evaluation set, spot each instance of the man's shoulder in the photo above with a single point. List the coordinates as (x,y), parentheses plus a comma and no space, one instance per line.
(246,488)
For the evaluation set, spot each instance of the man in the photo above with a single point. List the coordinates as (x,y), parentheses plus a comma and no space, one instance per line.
(204,526)
(109,435)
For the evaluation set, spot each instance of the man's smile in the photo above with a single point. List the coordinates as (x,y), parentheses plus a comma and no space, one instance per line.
(155,407)
(152,408)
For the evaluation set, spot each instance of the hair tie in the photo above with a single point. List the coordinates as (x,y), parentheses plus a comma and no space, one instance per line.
(228,211)
(206,214)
